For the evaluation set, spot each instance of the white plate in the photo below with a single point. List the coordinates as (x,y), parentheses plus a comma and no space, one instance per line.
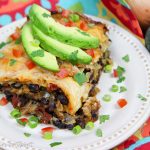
(123,122)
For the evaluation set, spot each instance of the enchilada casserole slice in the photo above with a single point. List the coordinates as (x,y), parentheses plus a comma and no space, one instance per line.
(56,97)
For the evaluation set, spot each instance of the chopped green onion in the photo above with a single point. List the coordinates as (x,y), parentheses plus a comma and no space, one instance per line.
(27,134)
(121,79)
(47,135)
(15,113)
(103,118)
(89,125)
(74,17)
(55,144)
(33,122)
(123,89)
(126,58)
(141,97)
(1,55)
(35,43)
(99,132)
(108,68)
(77,129)
(2,44)
(107,98)
(21,122)
(91,25)
(114,88)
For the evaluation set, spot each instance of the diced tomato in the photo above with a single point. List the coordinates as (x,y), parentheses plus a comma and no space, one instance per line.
(63,73)
(115,73)
(122,102)
(3,101)
(24,120)
(70,24)
(30,64)
(83,26)
(17,53)
(65,13)
(47,129)
(90,52)
(15,35)
(15,101)
(52,87)
(5,60)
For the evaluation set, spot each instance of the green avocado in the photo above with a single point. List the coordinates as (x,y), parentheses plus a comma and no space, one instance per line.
(37,55)
(68,35)
(61,50)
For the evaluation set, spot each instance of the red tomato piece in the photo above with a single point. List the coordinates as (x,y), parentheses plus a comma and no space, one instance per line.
(3,101)
(52,87)
(30,64)
(47,129)
(63,73)
(70,24)
(17,53)
(83,26)
(115,73)
(90,52)
(24,120)
(122,102)
(65,13)
(15,35)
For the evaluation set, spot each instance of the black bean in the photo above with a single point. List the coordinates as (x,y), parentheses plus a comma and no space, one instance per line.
(8,94)
(94,115)
(63,99)
(69,126)
(80,112)
(34,88)
(59,124)
(51,107)
(86,70)
(44,101)
(23,99)
(1,86)
(80,122)
(42,88)
(16,85)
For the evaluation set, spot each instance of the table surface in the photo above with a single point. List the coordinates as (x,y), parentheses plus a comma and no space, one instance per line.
(116,11)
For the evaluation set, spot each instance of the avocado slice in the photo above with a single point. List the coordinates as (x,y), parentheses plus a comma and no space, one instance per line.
(68,35)
(61,50)
(37,55)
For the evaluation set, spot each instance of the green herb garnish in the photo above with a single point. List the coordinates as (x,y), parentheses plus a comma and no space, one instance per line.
(27,134)
(114,88)
(103,118)
(46,15)
(126,58)
(120,71)
(73,57)
(1,55)
(89,125)
(108,68)
(2,44)
(141,97)
(12,62)
(38,53)
(55,144)
(47,136)
(99,132)
(121,79)
(74,17)
(80,78)
(18,41)
(122,89)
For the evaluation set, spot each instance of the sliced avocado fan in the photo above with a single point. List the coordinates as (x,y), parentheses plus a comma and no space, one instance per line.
(37,55)
(68,35)
(61,50)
